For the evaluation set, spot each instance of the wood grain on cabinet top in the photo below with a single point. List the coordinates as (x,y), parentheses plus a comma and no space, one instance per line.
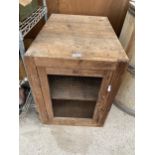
(77,37)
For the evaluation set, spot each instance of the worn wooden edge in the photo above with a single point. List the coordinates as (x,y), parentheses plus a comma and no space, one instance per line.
(101,102)
(75,72)
(74,121)
(32,74)
(75,63)
(45,90)
(115,83)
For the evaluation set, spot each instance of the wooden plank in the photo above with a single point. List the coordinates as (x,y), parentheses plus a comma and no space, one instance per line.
(45,91)
(80,19)
(74,121)
(98,66)
(74,88)
(36,89)
(74,72)
(65,35)
(65,28)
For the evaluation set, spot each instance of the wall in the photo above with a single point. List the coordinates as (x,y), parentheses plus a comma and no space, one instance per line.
(114,9)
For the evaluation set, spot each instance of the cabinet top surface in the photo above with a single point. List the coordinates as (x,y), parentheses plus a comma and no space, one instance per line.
(77,37)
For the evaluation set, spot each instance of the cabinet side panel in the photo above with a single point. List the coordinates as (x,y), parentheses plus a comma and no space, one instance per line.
(35,87)
(115,83)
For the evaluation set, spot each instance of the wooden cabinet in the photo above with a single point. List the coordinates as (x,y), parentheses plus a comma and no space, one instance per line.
(74,67)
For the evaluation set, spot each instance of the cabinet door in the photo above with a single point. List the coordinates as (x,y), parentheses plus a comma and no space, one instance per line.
(104,93)
(74,98)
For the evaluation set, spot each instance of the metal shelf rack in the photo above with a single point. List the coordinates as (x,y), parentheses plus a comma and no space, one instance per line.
(24,28)
(32,20)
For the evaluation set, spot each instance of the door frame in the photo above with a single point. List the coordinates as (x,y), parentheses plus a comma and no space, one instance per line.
(98,114)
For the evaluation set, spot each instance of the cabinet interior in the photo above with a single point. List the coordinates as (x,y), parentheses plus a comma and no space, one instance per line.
(73,96)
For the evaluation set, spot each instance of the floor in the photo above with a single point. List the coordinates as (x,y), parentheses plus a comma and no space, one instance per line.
(115,138)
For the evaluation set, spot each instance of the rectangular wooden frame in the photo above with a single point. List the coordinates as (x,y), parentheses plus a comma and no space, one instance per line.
(38,77)
(45,89)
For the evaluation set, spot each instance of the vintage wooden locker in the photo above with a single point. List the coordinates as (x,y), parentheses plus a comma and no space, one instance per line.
(74,67)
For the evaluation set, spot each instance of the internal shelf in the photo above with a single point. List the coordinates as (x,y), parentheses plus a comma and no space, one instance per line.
(74,88)
(72,108)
